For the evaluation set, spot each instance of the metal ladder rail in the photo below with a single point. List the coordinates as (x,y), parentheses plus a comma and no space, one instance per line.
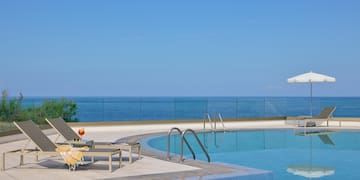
(222,121)
(197,139)
(168,143)
(210,121)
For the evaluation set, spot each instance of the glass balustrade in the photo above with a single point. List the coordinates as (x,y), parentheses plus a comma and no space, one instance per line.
(188,108)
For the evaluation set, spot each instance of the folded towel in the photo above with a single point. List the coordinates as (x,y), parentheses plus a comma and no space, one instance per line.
(71,155)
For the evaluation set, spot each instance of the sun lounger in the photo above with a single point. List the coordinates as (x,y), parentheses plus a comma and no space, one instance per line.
(325,115)
(45,146)
(65,131)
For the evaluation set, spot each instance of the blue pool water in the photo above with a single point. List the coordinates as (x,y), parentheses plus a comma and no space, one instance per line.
(331,155)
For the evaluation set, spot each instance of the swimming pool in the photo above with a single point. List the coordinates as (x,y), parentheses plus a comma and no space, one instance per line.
(288,154)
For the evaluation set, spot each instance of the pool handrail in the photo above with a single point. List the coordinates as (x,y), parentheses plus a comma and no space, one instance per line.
(213,123)
(207,116)
(197,139)
(168,143)
(222,121)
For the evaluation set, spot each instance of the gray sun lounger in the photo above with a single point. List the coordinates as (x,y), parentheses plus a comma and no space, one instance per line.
(65,131)
(45,146)
(326,114)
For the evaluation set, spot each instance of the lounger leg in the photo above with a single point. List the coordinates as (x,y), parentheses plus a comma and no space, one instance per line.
(37,157)
(120,159)
(110,163)
(3,162)
(130,154)
(139,152)
(21,159)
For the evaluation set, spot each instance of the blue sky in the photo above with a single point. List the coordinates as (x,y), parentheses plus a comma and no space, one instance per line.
(182,48)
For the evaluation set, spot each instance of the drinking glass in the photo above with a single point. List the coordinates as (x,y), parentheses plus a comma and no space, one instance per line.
(81,132)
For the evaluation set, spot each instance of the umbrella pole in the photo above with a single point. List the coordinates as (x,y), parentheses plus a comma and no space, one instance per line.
(311,99)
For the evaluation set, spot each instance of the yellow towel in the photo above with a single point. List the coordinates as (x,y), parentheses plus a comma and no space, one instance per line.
(70,154)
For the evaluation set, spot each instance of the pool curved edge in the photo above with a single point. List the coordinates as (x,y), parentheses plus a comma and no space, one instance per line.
(238,169)
(238,172)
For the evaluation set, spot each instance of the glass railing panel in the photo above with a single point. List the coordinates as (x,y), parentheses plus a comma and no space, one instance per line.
(122,108)
(157,108)
(250,107)
(275,107)
(224,105)
(297,106)
(190,108)
(91,109)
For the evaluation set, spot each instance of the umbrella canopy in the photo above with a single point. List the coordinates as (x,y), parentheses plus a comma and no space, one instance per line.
(310,78)
(310,171)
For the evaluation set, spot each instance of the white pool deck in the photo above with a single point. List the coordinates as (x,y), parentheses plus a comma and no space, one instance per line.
(145,168)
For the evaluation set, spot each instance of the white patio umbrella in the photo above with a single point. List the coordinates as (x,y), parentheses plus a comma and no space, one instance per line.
(311,78)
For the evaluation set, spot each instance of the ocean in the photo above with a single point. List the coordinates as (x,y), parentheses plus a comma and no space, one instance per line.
(92,109)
